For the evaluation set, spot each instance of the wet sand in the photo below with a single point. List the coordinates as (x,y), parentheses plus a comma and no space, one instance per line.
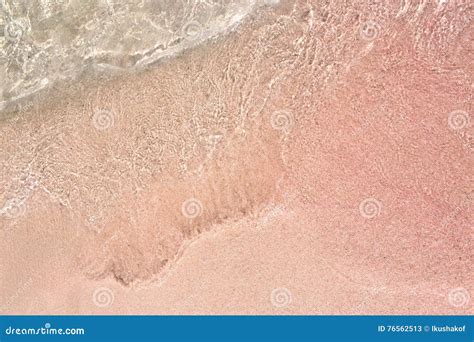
(316,161)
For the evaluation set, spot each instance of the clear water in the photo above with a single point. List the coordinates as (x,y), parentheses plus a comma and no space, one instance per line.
(43,41)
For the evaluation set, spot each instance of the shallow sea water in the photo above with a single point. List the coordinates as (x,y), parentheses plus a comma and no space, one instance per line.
(46,41)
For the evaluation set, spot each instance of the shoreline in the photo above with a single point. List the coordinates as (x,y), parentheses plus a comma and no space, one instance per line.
(93,68)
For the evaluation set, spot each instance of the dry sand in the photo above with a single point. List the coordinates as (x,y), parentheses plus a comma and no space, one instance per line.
(316,161)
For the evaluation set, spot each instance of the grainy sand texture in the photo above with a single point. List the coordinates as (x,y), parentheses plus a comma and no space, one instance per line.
(255,157)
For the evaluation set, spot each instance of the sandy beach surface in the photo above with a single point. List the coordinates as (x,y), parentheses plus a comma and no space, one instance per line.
(316,160)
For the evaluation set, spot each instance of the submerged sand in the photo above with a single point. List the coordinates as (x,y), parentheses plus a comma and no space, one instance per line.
(316,161)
